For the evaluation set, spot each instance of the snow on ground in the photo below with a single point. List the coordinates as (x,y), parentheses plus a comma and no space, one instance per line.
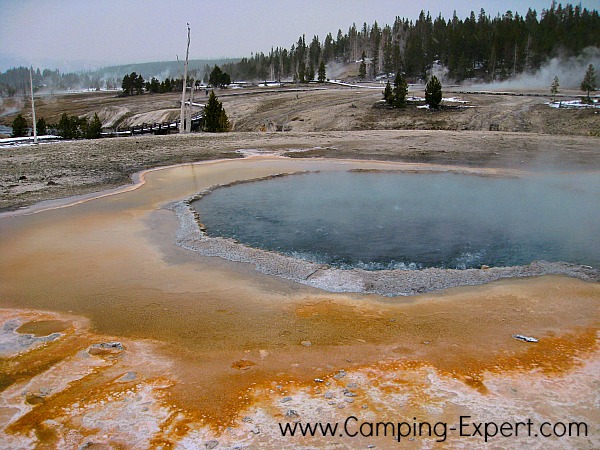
(353,85)
(573,104)
(27,140)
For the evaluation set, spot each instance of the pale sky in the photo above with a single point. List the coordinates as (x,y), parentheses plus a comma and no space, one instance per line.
(68,34)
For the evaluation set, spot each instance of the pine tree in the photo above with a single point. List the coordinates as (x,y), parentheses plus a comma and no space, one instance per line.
(302,72)
(41,126)
(94,128)
(388,94)
(215,118)
(589,81)
(68,127)
(362,70)
(433,93)
(311,72)
(322,75)
(554,88)
(126,85)
(400,91)
(138,84)
(19,127)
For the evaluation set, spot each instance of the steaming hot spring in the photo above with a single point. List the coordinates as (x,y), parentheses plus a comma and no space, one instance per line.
(397,220)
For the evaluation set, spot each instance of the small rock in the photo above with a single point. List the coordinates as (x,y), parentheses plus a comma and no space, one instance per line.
(485,267)
(51,183)
(34,399)
(341,374)
(318,380)
(292,413)
(352,385)
(211,444)
(286,399)
(243,364)
(306,343)
(129,376)
(328,394)
(247,419)
(105,348)
(349,400)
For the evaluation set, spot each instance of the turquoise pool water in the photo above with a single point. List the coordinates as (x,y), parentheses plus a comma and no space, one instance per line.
(409,220)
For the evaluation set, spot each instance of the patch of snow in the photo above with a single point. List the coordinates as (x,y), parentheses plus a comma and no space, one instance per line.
(270,84)
(454,100)
(27,140)
(573,104)
(353,85)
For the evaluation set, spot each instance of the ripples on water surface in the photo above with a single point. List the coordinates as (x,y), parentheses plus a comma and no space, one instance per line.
(408,221)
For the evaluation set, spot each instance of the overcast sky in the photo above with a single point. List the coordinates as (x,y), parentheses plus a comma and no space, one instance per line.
(68,33)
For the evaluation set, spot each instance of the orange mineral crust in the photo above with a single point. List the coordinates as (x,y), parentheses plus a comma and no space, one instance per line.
(113,336)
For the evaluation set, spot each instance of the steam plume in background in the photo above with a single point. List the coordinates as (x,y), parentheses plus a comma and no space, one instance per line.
(569,70)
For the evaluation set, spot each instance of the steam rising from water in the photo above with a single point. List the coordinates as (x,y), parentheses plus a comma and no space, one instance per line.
(410,221)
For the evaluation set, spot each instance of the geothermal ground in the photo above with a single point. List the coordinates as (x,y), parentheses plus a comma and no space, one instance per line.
(114,336)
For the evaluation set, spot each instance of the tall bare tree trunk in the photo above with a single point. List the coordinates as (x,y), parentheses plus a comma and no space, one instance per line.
(32,106)
(185,67)
(188,124)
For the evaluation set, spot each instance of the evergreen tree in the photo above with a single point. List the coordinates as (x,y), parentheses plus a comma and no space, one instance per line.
(19,127)
(94,128)
(400,91)
(589,81)
(388,94)
(322,75)
(302,72)
(218,78)
(433,92)
(215,118)
(554,88)
(311,72)
(68,127)
(362,69)
(223,121)
(138,84)
(154,86)
(41,126)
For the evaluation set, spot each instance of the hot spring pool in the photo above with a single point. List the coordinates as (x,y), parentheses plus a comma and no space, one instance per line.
(400,220)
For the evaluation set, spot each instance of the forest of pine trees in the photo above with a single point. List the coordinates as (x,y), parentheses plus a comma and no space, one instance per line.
(478,46)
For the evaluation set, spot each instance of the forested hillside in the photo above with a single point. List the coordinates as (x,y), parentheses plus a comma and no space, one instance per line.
(16,80)
(478,46)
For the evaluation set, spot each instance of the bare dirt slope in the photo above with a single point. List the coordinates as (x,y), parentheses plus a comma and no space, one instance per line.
(324,121)
(327,108)
(33,173)
(342,108)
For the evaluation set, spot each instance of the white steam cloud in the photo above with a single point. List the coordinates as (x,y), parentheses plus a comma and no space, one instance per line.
(569,70)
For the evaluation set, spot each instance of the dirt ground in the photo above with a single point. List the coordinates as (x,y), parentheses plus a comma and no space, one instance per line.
(331,121)
(30,174)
